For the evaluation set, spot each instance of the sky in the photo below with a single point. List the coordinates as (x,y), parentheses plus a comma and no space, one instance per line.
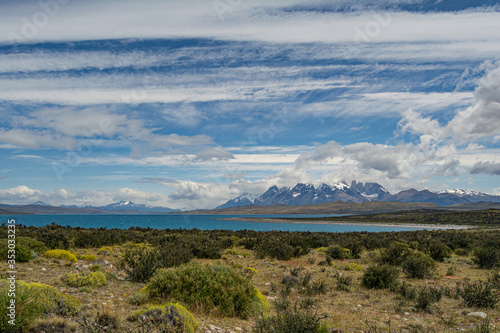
(186,104)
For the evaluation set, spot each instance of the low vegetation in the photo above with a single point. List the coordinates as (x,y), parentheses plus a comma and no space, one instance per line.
(61,254)
(146,280)
(85,279)
(215,289)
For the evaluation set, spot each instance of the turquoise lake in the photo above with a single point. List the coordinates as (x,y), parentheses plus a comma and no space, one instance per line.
(202,222)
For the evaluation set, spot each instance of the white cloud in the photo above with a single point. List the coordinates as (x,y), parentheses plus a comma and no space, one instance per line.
(24,195)
(481,119)
(255,20)
(69,128)
(214,154)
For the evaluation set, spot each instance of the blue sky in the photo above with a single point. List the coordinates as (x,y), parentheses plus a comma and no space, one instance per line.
(187,104)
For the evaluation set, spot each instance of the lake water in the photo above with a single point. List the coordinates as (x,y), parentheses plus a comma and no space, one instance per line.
(202,222)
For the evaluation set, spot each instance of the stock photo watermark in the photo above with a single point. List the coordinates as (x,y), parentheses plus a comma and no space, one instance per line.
(12,272)
(222,7)
(31,25)
(372,28)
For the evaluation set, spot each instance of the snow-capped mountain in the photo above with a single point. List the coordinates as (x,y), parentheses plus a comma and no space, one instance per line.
(370,191)
(40,203)
(129,205)
(307,194)
(243,200)
(443,198)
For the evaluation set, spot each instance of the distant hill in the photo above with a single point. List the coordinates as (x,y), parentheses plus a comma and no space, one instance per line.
(129,205)
(341,207)
(123,207)
(481,217)
(336,207)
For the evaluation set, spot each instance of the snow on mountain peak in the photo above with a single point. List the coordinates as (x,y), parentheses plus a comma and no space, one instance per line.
(461,192)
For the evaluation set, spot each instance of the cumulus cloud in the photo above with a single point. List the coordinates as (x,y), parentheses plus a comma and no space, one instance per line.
(24,195)
(481,119)
(487,168)
(194,195)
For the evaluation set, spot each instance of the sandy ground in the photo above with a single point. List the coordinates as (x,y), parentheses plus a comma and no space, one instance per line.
(305,221)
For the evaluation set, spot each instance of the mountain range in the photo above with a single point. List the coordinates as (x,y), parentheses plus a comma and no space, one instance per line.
(121,207)
(306,194)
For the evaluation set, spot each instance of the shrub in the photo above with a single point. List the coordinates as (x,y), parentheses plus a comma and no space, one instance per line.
(426,297)
(138,298)
(380,277)
(352,267)
(25,248)
(344,283)
(290,281)
(93,279)
(487,257)
(479,294)
(220,289)
(23,253)
(87,257)
(438,251)
(418,266)
(106,317)
(250,272)
(395,254)
(295,271)
(274,248)
(53,325)
(139,263)
(290,318)
(338,252)
(173,255)
(32,301)
(61,254)
(101,321)
(106,249)
(170,317)
(407,291)
(315,288)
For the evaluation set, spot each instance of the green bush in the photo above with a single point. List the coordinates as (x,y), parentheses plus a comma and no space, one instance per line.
(173,255)
(23,248)
(425,297)
(61,254)
(106,249)
(219,289)
(87,257)
(274,248)
(418,266)
(438,251)
(480,294)
(487,257)
(338,252)
(379,277)
(32,301)
(138,298)
(170,317)
(344,283)
(139,263)
(395,254)
(93,279)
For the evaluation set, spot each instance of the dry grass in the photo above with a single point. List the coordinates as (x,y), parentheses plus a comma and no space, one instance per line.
(347,311)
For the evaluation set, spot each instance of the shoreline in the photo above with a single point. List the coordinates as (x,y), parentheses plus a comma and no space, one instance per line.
(376,224)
